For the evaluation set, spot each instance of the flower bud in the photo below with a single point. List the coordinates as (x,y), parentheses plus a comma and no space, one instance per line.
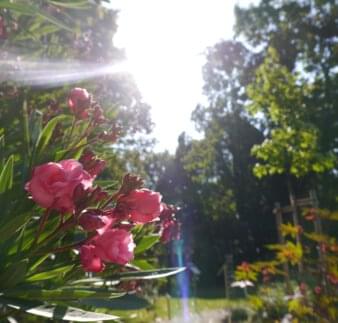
(90,261)
(79,102)
(91,220)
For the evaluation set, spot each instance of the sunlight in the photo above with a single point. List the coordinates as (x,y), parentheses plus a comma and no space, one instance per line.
(38,73)
(164,42)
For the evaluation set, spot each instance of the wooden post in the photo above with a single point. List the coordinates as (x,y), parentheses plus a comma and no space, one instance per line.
(293,205)
(319,230)
(168,306)
(226,283)
(281,240)
(230,317)
(228,270)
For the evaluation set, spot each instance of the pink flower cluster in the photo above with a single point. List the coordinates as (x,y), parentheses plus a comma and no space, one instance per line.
(81,104)
(53,184)
(114,245)
(68,187)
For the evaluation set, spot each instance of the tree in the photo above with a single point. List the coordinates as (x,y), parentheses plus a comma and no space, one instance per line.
(58,35)
(292,143)
(303,33)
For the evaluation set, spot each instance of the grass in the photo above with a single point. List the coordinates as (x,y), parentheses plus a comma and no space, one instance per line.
(169,307)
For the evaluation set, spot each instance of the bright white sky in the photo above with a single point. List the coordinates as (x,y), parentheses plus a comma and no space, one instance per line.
(164,42)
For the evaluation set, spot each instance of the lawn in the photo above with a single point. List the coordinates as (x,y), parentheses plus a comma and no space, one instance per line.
(169,307)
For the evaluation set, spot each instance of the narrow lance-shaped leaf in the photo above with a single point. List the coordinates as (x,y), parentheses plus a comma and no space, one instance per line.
(127,302)
(47,132)
(56,272)
(148,274)
(146,243)
(130,275)
(30,10)
(56,312)
(80,4)
(61,294)
(13,274)
(6,175)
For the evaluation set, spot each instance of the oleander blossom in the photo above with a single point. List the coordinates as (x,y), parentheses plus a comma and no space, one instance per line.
(95,220)
(52,184)
(79,102)
(113,246)
(116,246)
(92,164)
(170,231)
(140,205)
(90,261)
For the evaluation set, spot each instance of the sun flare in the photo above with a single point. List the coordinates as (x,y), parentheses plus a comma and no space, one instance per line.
(164,42)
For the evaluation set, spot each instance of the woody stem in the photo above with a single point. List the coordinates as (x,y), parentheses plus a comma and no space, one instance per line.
(112,198)
(42,225)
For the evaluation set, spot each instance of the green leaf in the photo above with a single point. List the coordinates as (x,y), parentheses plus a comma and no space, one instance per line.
(25,9)
(35,124)
(38,263)
(131,275)
(147,274)
(13,274)
(65,294)
(56,312)
(6,175)
(143,264)
(13,224)
(74,152)
(50,274)
(47,132)
(54,21)
(127,302)
(81,4)
(146,243)
(30,10)
(87,281)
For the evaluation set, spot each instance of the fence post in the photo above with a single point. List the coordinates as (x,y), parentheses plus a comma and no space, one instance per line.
(281,240)
(293,204)
(319,230)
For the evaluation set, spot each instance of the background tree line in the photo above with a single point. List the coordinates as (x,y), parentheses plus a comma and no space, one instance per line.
(269,130)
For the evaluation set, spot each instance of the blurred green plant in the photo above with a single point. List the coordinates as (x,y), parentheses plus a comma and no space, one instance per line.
(39,270)
(310,296)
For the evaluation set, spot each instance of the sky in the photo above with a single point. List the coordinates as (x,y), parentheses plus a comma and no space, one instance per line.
(165,41)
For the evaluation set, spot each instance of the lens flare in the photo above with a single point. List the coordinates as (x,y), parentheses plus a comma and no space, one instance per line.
(50,73)
(182,278)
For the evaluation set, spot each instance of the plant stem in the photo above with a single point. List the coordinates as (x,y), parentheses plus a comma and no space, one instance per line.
(112,198)
(61,227)
(42,225)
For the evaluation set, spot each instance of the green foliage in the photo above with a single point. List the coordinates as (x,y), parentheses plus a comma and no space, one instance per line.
(314,296)
(57,311)
(6,175)
(293,144)
(146,243)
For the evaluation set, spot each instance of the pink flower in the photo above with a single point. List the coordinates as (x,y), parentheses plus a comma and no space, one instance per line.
(170,231)
(78,102)
(168,212)
(91,220)
(92,164)
(116,246)
(52,184)
(141,205)
(3,32)
(90,261)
